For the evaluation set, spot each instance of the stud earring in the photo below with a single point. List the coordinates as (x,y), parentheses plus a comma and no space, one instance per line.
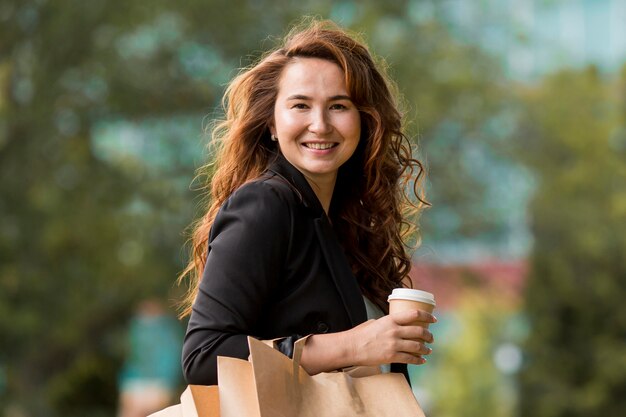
(274,138)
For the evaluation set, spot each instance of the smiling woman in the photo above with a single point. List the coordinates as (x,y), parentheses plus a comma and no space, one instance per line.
(307,214)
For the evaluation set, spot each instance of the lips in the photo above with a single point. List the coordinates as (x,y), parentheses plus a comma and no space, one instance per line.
(320,146)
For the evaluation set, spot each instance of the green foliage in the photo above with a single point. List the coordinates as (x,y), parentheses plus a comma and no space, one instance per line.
(454,92)
(80,240)
(573,137)
(461,377)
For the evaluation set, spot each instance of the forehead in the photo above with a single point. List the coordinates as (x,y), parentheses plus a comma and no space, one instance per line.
(312,75)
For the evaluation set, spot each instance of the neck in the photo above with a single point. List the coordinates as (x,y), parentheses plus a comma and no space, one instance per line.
(323,189)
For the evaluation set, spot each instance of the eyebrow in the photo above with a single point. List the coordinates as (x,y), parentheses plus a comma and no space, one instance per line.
(333,98)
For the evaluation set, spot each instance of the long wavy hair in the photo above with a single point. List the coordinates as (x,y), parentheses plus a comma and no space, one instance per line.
(379,190)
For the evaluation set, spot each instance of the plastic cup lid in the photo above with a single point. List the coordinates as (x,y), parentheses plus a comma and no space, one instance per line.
(412,295)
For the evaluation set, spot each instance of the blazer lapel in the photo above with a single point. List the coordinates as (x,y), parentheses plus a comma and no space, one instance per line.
(338,264)
(284,169)
(341,272)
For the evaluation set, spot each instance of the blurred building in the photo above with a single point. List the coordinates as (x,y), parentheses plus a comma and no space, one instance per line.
(535,37)
(448,282)
(530,38)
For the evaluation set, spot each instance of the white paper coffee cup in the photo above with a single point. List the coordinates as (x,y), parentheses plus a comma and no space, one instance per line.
(402,299)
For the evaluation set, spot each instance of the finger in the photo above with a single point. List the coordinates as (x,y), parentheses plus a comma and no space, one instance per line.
(409,316)
(416,332)
(414,347)
(409,359)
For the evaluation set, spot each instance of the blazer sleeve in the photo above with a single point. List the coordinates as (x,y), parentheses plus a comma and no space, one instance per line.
(248,245)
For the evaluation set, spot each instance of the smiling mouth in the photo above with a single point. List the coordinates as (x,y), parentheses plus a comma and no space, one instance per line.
(320,146)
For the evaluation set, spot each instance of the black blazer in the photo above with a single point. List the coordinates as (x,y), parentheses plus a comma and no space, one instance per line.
(274,269)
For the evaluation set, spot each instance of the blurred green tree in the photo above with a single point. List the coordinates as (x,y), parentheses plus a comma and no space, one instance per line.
(463,377)
(82,240)
(574,138)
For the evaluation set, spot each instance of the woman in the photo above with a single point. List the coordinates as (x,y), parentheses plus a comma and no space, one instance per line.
(303,233)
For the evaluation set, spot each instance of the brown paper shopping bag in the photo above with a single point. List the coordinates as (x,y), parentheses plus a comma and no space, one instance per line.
(272,385)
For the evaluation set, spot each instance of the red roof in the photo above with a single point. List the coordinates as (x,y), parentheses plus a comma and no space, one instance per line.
(447,282)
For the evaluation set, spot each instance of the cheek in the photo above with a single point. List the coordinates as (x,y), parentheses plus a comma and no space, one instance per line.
(352,127)
(286,122)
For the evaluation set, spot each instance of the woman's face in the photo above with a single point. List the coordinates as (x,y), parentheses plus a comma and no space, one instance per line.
(317,125)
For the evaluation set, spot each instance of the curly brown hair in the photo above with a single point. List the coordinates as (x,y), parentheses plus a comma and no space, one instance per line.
(372,209)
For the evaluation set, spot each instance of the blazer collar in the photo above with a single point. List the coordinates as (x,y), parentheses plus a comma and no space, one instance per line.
(283,168)
(336,259)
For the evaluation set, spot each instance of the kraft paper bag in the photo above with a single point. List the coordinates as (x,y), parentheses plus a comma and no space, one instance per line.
(270,384)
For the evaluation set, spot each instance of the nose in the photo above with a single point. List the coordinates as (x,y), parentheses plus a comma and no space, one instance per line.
(319,122)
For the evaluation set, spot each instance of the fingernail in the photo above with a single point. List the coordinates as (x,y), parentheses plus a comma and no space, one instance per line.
(435,319)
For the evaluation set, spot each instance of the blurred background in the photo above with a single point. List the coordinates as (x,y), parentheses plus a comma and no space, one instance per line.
(519,110)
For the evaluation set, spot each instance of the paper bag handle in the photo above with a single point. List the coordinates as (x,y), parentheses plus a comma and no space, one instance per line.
(298,347)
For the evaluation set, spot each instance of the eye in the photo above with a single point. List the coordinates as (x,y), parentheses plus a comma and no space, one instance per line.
(338,106)
(300,106)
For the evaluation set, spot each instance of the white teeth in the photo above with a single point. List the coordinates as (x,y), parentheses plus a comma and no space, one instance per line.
(319,146)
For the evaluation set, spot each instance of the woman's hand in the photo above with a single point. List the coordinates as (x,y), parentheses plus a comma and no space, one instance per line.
(391,339)
(387,340)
